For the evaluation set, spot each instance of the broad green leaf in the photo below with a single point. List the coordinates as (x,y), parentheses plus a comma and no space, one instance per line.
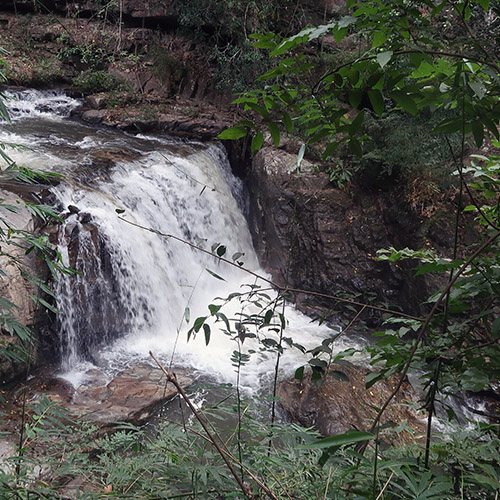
(299,373)
(338,375)
(275,132)
(257,141)
(478,132)
(355,147)
(287,121)
(236,132)
(379,39)
(355,96)
(405,101)
(373,377)
(206,329)
(377,101)
(478,89)
(258,109)
(357,123)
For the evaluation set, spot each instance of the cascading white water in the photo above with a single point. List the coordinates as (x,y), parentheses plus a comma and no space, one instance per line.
(135,285)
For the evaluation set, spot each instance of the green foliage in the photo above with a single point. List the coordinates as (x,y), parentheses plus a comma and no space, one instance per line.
(89,54)
(224,27)
(405,65)
(93,81)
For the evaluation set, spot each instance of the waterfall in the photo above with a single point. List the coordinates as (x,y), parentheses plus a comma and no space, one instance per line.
(134,287)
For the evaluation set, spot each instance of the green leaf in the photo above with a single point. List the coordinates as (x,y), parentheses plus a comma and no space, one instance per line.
(379,39)
(257,141)
(206,329)
(338,375)
(355,147)
(275,133)
(377,101)
(384,57)
(215,275)
(478,132)
(299,373)
(349,437)
(355,96)
(287,121)
(357,123)
(405,101)
(373,377)
(236,132)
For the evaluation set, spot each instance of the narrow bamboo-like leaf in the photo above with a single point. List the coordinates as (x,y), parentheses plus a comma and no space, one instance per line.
(349,437)
(214,275)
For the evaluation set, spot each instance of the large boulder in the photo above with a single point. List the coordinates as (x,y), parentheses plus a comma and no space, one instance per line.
(335,405)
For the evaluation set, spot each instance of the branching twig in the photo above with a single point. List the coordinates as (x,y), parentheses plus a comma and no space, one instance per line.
(279,288)
(224,454)
(425,325)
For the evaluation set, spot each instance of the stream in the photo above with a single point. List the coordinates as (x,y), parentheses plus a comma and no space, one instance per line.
(138,291)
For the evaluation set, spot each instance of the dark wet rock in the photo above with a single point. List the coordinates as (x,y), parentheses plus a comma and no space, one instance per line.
(335,406)
(72,209)
(319,238)
(98,276)
(84,217)
(93,116)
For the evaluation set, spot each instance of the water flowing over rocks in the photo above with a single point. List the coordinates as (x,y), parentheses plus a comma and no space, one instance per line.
(335,406)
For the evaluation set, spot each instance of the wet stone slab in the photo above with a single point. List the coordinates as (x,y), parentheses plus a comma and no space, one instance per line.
(133,395)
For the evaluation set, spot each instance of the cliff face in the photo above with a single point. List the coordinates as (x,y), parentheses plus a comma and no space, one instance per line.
(315,237)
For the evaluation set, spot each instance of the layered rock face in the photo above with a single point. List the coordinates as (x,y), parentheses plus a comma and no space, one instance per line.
(314,237)
(14,287)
